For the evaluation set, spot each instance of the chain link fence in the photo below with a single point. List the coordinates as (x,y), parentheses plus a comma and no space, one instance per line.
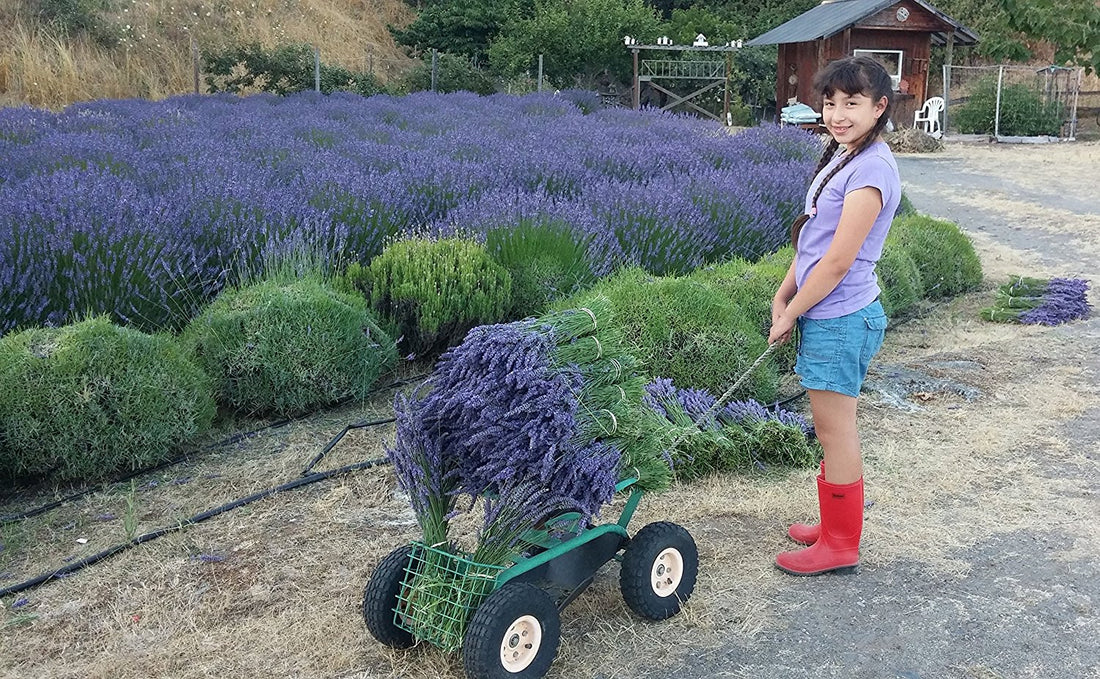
(1012,102)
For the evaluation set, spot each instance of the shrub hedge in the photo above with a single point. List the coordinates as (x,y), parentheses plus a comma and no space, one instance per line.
(431,292)
(545,261)
(750,286)
(287,348)
(900,280)
(943,255)
(686,330)
(90,399)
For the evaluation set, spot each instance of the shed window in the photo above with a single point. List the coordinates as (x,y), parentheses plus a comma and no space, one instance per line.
(890,59)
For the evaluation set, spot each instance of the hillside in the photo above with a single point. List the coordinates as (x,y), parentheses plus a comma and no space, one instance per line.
(150,54)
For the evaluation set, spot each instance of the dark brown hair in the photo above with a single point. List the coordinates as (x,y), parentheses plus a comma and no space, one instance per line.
(853,75)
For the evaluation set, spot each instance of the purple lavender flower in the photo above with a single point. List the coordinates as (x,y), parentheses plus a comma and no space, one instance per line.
(146,210)
(1065,300)
(661,394)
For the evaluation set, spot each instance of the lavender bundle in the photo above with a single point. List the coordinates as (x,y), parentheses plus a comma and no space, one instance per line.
(737,435)
(538,417)
(1037,301)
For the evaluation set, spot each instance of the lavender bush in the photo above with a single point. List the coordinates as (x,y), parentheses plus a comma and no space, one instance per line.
(145,210)
(288,347)
(91,399)
(1040,302)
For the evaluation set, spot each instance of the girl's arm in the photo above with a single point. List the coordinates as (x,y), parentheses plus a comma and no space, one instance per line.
(861,208)
(783,295)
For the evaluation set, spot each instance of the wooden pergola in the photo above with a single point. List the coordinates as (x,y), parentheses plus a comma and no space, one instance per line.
(714,72)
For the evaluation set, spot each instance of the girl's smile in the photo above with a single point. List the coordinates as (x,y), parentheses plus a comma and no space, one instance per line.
(850,117)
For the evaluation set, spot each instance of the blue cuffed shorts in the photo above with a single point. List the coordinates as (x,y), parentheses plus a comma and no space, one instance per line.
(833,353)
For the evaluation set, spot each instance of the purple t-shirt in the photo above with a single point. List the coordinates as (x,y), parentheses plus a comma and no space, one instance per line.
(874,166)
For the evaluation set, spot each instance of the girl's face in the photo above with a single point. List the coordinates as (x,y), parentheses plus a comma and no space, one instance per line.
(851,117)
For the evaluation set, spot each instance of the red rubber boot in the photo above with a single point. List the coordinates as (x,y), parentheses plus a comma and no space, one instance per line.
(804,533)
(841,525)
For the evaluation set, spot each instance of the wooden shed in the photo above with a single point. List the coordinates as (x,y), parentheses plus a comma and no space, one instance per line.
(898,33)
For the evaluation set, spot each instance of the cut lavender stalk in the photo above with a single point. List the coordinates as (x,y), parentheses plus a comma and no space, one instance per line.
(1040,302)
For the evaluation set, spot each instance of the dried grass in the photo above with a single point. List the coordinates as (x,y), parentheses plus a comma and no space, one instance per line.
(913,140)
(154,60)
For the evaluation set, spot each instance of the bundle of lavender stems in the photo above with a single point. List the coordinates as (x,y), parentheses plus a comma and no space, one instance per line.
(1038,301)
(527,420)
(737,435)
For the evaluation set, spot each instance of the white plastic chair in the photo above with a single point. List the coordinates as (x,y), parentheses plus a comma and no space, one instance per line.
(929,114)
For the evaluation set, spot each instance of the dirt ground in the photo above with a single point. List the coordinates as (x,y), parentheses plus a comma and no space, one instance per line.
(981,550)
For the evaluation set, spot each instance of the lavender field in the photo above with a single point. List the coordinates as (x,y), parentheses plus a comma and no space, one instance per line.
(146,210)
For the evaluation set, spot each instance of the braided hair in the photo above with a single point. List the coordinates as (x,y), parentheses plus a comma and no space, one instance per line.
(853,75)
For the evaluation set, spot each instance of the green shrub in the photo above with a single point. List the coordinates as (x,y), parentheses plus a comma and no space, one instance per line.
(288,348)
(281,70)
(751,286)
(943,254)
(1023,111)
(546,263)
(433,292)
(452,74)
(686,330)
(899,278)
(905,207)
(75,17)
(89,399)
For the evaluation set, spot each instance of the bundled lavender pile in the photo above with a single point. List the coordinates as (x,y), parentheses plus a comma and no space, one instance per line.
(145,210)
(735,436)
(536,418)
(1040,302)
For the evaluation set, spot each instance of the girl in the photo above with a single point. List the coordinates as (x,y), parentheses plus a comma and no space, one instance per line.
(831,292)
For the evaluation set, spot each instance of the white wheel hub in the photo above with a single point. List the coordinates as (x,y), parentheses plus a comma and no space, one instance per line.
(667,572)
(521,643)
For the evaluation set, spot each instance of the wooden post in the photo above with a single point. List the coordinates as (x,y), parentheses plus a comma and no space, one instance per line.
(195,63)
(726,98)
(540,74)
(637,84)
(317,69)
(435,66)
(947,79)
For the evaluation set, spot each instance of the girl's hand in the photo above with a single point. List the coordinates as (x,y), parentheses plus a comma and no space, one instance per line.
(782,326)
(778,307)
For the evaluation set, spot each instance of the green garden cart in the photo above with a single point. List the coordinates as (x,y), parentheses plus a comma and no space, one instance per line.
(505,619)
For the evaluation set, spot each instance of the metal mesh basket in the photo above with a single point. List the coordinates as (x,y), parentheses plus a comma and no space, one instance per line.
(440,592)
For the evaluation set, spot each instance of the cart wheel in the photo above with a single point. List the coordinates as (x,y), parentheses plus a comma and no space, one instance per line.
(659,568)
(514,634)
(380,599)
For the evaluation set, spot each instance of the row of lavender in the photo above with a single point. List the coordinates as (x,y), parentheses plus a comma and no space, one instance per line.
(145,210)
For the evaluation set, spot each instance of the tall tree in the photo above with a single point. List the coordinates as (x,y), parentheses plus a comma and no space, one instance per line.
(1072,26)
(459,27)
(580,39)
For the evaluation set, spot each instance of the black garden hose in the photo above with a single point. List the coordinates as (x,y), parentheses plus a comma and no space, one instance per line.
(240,436)
(183,458)
(69,569)
(336,439)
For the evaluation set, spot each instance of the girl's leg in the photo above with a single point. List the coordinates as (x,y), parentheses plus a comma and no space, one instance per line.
(840,490)
(835,425)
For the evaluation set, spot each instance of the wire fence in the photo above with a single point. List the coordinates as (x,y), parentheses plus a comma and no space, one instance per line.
(1007,102)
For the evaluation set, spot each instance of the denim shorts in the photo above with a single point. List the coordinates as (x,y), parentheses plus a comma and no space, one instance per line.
(833,353)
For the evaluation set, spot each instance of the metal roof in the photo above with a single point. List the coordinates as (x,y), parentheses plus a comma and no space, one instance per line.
(830,18)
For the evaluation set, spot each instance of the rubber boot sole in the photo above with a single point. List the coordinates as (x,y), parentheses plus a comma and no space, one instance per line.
(839,570)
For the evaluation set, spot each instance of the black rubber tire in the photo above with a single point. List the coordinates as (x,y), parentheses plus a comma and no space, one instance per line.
(485,634)
(640,557)
(380,599)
